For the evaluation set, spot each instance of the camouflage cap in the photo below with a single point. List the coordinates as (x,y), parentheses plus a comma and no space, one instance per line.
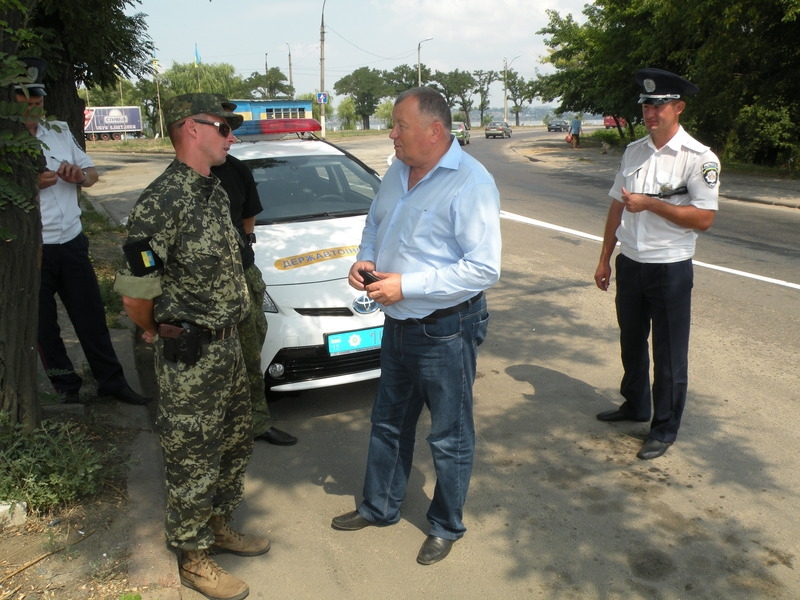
(189,105)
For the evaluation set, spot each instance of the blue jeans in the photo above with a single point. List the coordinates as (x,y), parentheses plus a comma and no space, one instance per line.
(431,364)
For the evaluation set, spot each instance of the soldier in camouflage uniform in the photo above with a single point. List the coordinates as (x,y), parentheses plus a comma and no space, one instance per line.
(184,286)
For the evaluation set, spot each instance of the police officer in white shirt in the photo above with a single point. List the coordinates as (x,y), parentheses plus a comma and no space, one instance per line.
(66,268)
(665,191)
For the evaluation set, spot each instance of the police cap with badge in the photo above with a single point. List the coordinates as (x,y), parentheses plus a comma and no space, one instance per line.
(34,69)
(660,86)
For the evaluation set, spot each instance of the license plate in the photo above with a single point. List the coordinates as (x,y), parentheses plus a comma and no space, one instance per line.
(354,341)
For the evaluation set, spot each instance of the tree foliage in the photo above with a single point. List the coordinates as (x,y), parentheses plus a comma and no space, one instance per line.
(456,87)
(483,79)
(273,84)
(744,61)
(367,88)
(89,42)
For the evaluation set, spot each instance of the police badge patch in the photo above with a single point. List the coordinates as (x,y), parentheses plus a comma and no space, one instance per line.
(710,174)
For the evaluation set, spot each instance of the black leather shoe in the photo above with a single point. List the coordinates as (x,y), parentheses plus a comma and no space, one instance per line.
(615,414)
(652,449)
(433,550)
(128,396)
(277,437)
(352,521)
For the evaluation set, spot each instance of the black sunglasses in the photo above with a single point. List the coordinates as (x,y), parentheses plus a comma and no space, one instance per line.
(223,128)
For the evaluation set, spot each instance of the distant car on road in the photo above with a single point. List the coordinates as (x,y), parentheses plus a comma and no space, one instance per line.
(557,125)
(498,129)
(608,122)
(461,131)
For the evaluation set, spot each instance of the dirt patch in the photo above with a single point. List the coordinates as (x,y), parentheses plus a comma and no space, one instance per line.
(78,552)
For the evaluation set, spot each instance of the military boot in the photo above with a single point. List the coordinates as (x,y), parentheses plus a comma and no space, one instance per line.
(199,572)
(229,540)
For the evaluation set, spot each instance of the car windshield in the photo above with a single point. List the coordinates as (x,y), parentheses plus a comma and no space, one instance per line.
(495,124)
(298,188)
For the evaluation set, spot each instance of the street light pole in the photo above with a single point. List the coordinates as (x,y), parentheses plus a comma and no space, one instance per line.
(505,87)
(291,81)
(322,68)
(419,64)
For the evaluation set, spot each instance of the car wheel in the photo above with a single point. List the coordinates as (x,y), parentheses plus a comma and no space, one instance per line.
(488,136)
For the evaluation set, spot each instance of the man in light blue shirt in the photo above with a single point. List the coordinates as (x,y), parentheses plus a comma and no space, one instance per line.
(432,240)
(575,130)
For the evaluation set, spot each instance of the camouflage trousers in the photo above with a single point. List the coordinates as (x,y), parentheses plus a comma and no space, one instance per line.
(205,428)
(252,333)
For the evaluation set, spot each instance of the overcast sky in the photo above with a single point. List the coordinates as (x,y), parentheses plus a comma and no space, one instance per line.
(379,34)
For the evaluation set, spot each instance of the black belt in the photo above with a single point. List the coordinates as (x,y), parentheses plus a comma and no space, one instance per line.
(174,330)
(446,312)
(215,335)
(681,190)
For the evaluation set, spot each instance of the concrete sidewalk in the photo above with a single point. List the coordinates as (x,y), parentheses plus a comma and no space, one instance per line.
(152,567)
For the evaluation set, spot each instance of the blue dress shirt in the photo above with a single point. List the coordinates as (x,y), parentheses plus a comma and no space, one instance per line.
(442,235)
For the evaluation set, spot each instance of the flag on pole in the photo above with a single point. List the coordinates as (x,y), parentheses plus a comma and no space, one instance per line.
(196,56)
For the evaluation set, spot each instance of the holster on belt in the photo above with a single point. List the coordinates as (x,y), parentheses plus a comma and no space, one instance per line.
(182,343)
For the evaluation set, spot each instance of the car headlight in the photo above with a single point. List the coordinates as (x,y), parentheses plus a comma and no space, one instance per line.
(267,305)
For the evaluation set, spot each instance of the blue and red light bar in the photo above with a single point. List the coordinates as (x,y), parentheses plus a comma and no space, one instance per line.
(278,127)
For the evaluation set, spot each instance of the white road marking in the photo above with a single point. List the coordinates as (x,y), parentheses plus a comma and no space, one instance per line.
(536,223)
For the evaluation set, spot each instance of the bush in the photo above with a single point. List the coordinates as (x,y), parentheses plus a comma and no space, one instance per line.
(51,467)
(763,136)
(612,138)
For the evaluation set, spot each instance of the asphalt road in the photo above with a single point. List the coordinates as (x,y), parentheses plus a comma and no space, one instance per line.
(559,506)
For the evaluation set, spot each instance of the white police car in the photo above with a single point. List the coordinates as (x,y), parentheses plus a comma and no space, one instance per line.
(315,197)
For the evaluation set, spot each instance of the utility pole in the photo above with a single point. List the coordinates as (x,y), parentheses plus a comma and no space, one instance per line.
(322,68)
(291,81)
(419,63)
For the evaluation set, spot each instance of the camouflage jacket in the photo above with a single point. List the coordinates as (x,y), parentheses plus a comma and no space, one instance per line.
(184,220)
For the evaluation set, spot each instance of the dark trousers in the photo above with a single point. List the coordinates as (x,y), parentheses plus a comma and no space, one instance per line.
(657,294)
(67,271)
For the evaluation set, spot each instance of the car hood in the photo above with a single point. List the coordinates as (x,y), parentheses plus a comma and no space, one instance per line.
(309,251)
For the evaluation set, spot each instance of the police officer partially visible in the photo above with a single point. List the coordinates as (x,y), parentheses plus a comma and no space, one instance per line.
(666,190)
(184,286)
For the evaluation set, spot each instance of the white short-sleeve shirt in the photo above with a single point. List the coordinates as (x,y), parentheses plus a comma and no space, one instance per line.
(61,215)
(682,162)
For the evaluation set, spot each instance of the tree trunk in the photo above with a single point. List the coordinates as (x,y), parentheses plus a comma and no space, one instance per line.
(63,102)
(20,252)
(19,305)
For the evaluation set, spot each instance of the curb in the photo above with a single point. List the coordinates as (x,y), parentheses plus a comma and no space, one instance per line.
(152,566)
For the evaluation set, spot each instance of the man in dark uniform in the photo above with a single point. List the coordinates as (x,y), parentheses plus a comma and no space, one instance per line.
(666,190)
(238,182)
(184,286)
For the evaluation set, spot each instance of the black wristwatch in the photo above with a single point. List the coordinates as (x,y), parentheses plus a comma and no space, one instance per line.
(251,238)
